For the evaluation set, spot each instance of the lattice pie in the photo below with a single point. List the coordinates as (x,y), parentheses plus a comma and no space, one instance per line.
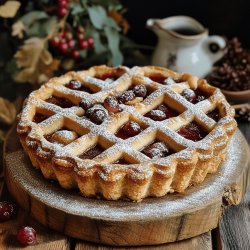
(126,133)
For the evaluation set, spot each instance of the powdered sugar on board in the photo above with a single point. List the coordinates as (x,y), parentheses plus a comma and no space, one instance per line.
(34,183)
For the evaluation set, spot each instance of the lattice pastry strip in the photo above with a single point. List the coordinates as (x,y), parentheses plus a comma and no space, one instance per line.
(120,132)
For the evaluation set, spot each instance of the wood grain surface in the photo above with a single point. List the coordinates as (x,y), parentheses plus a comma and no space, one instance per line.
(148,232)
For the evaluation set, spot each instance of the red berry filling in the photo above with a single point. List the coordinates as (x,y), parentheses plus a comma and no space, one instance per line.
(26,236)
(161,113)
(92,152)
(163,79)
(194,96)
(157,149)
(96,114)
(126,96)
(6,210)
(111,104)
(122,161)
(140,91)
(215,115)
(39,118)
(192,131)
(129,129)
(77,85)
(108,77)
(60,101)
(85,104)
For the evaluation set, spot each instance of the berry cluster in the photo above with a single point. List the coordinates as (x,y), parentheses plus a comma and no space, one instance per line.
(66,44)
(62,10)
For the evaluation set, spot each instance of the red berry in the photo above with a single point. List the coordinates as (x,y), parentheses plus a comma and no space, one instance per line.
(156,115)
(140,90)
(80,37)
(85,104)
(6,210)
(168,111)
(192,132)
(68,36)
(132,128)
(83,44)
(54,42)
(71,43)
(63,47)
(126,96)
(75,54)
(62,3)
(74,84)
(189,95)
(62,12)
(90,41)
(156,150)
(26,236)
(111,104)
(96,115)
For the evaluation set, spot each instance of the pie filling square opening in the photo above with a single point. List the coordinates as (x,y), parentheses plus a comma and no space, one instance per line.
(96,149)
(138,92)
(161,112)
(157,149)
(195,96)
(165,80)
(108,77)
(129,129)
(63,136)
(78,85)
(92,152)
(215,114)
(60,101)
(39,117)
(192,131)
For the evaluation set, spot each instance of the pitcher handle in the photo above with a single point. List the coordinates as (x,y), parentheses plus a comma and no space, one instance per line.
(215,46)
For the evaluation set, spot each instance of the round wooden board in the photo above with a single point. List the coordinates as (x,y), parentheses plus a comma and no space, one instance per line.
(153,221)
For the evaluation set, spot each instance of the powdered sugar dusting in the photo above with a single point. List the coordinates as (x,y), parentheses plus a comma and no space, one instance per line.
(150,208)
(163,130)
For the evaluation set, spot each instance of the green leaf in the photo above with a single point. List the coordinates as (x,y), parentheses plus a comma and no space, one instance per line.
(49,26)
(113,44)
(76,9)
(111,23)
(98,45)
(83,53)
(97,16)
(31,17)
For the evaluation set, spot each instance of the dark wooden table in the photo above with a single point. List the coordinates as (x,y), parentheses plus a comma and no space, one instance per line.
(233,231)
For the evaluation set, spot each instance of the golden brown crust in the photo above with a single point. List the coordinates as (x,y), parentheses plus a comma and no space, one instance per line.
(143,177)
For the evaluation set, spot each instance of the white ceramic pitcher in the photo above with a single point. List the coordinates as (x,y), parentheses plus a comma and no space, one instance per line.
(184,45)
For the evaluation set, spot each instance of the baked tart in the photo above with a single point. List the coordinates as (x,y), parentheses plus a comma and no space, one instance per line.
(126,133)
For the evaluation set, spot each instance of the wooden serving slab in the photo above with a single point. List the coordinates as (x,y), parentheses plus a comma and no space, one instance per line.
(153,221)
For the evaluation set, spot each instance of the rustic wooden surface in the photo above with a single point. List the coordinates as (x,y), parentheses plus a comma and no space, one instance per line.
(233,232)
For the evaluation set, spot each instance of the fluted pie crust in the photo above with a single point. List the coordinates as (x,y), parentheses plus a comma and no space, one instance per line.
(141,176)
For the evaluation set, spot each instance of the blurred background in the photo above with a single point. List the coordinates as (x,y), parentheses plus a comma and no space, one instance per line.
(46,38)
(224,17)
